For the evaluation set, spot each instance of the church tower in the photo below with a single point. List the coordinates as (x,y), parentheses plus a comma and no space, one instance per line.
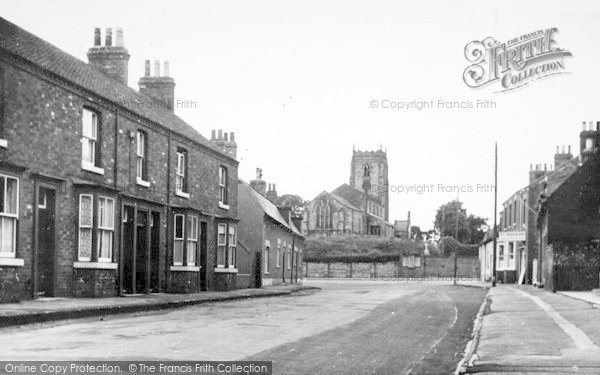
(373,166)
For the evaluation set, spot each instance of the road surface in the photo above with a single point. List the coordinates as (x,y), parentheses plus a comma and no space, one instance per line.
(348,327)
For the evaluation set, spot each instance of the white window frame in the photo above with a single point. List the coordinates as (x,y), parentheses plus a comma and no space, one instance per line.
(510,256)
(105,228)
(232,247)
(141,159)
(266,257)
(180,177)
(9,216)
(90,136)
(278,258)
(89,227)
(192,240)
(223,185)
(221,246)
(181,239)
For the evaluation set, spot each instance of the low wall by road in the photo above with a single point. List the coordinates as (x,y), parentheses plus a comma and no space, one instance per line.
(466,267)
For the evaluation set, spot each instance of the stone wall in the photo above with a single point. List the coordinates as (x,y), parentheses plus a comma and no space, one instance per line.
(467,267)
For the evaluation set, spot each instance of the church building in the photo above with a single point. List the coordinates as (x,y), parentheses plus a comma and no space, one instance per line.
(360,207)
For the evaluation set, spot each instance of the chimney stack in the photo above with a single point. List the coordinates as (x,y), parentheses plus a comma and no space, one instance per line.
(119,42)
(589,140)
(112,61)
(258,184)
(225,142)
(108,42)
(161,89)
(97,37)
(562,156)
(272,193)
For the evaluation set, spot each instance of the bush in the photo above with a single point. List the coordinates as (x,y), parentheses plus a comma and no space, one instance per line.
(359,249)
(451,245)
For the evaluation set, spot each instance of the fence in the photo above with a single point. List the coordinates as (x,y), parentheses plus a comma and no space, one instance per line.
(568,277)
(435,267)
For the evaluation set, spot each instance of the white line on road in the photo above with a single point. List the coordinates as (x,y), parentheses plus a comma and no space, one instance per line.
(581,340)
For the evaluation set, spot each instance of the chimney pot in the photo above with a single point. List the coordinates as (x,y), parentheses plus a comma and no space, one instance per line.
(569,149)
(212,135)
(119,42)
(583,126)
(557,148)
(147,68)
(156,68)
(108,41)
(597,125)
(232,137)
(531,166)
(226,137)
(166,68)
(97,37)
(220,136)
(563,149)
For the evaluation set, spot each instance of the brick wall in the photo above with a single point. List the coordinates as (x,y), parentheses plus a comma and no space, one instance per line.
(467,267)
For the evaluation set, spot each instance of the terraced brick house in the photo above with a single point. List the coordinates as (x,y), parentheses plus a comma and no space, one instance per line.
(103,189)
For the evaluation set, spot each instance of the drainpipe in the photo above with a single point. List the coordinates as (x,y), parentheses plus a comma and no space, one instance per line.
(167,218)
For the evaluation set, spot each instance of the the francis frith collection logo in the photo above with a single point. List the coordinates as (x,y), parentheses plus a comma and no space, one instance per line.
(515,63)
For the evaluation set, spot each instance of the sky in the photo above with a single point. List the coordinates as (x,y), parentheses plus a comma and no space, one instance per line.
(296,82)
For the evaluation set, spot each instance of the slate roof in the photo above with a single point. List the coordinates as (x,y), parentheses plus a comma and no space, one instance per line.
(344,202)
(269,208)
(352,195)
(19,42)
(558,176)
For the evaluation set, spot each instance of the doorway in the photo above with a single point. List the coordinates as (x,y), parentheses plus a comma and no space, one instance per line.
(46,241)
(203,245)
(141,245)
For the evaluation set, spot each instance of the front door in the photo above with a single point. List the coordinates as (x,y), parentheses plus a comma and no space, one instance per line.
(203,246)
(141,246)
(46,222)
(141,254)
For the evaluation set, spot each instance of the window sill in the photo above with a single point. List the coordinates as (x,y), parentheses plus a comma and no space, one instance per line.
(141,182)
(92,168)
(3,143)
(182,194)
(96,265)
(226,270)
(13,262)
(184,268)
(223,206)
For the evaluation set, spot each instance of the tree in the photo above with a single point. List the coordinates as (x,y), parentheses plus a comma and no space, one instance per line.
(295,202)
(415,233)
(469,226)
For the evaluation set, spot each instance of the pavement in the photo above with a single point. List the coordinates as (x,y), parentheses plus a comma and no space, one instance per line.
(529,330)
(52,309)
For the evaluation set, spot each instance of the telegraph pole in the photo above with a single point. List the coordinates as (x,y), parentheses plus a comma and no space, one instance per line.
(442,228)
(456,237)
(495,213)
